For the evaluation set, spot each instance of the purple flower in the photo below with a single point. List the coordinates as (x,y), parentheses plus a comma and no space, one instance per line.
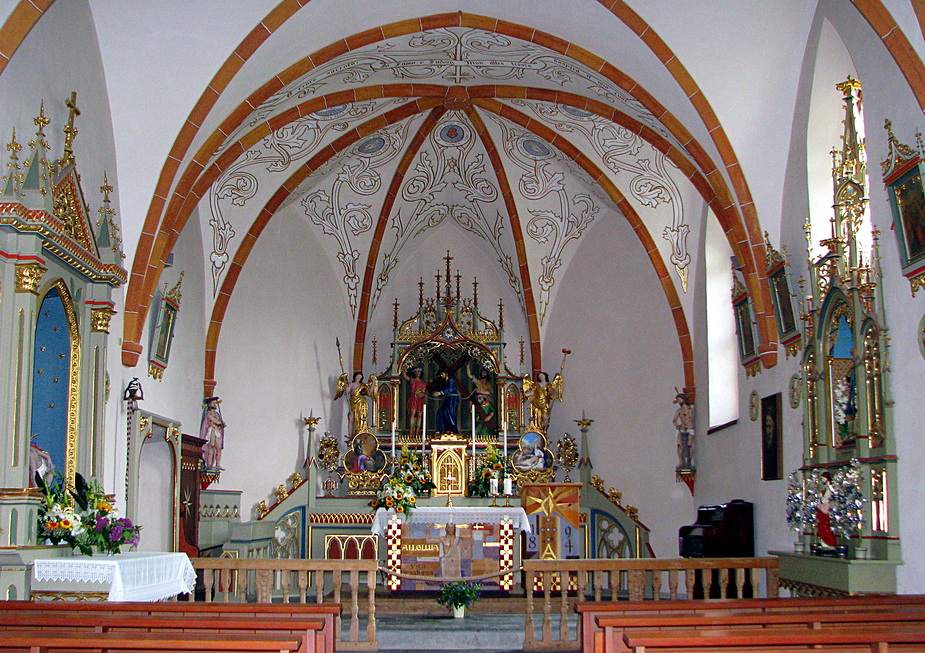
(116,533)
(101,524)
(134,540)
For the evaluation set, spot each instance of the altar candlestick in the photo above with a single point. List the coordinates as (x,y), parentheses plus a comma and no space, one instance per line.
(504,424)
(473,434)
(493,485)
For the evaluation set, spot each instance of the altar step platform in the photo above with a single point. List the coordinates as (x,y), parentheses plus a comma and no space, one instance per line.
(418,624)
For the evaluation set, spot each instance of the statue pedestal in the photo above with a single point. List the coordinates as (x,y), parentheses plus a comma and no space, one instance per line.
(810,575)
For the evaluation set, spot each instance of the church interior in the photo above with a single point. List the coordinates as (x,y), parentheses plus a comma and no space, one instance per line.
(256,265)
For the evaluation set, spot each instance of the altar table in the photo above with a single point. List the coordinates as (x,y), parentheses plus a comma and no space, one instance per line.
(477,542)
(131,576)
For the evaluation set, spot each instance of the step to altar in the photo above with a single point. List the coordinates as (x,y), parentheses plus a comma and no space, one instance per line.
(437,630)
(475,632)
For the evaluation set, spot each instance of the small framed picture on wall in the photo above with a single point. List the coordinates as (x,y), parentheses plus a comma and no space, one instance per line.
(772,463)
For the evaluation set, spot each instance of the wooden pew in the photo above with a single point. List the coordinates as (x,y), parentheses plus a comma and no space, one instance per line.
(41,641)
(773,640)
(314,621)
(591,634)
(617,629)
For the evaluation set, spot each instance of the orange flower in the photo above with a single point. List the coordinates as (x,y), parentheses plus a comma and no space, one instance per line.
(486,473)
(374,503)
(65,523)
(412,500)
(388,502)
(52,525)
(399,509)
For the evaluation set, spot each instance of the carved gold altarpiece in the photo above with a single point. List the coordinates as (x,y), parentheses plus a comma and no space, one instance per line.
(450,471)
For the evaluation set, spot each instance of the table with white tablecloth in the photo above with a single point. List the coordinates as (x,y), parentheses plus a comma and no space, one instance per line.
(132,576)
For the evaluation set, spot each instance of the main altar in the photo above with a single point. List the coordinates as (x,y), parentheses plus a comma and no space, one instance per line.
(447,469)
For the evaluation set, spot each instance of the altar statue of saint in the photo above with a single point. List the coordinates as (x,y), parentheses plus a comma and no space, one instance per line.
(684,423)
(356,392)
(824,513)
(212,430)
(541,393)
(482,383)
(449,407)
(417,395)
(484,421)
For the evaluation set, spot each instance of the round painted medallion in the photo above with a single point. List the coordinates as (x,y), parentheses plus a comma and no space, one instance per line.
(370,146)
(330,112)
(575,111)
(754,406)
(453,134)
(535,149)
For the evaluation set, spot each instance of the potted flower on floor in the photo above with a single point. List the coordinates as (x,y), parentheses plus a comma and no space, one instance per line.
(459,595)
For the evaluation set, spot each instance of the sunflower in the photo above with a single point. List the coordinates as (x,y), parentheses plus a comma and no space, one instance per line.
(399,509)
(388,502)
(412,500)
(409,477)
(374,503)
(486,473)
(416,468)
(497,466)
(65,523)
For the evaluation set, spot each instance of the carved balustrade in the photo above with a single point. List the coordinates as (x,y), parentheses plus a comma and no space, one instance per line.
(263,580)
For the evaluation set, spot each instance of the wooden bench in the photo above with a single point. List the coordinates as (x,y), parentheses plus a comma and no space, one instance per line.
(615,629)
(317,618)
(41,641)
(773,640)
(592,634)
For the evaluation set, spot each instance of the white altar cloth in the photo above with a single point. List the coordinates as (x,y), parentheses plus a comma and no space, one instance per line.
(131,576)
(461,515)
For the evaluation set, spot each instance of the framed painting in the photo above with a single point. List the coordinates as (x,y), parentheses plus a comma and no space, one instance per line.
(783,304)
(746,329)
(772,464)
(908,198)
(162,334)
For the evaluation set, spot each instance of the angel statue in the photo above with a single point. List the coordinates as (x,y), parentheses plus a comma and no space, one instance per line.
(541,393)
(356,392)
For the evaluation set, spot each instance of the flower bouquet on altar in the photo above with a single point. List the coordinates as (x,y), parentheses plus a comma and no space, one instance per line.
(82,518)
(491,468)
(408,481)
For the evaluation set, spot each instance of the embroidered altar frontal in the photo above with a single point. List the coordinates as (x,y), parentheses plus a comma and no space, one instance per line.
(449,544)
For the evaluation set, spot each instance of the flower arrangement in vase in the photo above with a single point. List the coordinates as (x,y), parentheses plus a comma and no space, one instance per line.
(459,595)
(408,481)
(491,468)
(82,518)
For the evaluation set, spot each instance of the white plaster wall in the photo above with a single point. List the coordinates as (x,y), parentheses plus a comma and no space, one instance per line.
(277,360)
(155,495)
(625,363)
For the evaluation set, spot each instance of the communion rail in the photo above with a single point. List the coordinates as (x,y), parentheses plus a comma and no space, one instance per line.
(635,579)
(239,580)
(551,623)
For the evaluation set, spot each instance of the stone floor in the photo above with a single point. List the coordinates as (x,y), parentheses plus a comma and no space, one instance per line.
(500,633)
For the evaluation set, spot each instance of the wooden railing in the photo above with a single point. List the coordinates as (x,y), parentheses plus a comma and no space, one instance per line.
(265,580)
(635,579)
(287,580)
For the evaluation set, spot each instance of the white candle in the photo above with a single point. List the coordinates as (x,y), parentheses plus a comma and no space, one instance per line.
(393,439)
(508,488)
(493,484)
(473,432)
(424,429)
(504,423)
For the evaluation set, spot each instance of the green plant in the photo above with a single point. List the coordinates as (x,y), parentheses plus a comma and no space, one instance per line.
(459,593)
